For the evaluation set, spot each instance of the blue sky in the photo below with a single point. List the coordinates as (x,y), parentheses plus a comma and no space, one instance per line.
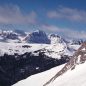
(65,17)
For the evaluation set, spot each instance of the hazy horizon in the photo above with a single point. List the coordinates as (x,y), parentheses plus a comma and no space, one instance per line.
(67,18)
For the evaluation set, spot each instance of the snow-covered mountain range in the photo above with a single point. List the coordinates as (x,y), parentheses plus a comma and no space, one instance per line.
(23,54)
(37,36)
(51,45)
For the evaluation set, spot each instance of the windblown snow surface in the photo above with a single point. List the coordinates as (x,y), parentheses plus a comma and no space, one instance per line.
(76,77)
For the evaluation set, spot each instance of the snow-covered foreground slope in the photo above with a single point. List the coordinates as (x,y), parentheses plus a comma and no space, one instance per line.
(39,79)
(76,77)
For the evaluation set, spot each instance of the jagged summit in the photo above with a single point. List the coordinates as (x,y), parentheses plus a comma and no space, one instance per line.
(38,37)
(55,38)
(78,58)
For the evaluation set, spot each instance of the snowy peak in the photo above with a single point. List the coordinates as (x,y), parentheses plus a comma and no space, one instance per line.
(9,36)
(55,38)
(76,41)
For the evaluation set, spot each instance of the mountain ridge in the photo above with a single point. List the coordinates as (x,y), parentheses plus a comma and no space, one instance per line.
(37,36)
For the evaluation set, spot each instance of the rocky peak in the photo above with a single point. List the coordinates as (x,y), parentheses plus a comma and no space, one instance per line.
(38,37)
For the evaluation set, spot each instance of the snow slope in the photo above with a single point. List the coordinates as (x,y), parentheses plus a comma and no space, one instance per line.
(51,50)
(39,79)
(76,77)
(73,71)
(11,48)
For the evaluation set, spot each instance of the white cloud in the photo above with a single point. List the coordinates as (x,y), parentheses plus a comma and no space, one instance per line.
(13,14)
(65,31)
(50,28)
(68,13)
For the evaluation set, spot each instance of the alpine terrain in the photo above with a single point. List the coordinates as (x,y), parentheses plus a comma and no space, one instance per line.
(72,73)
(42,42)
(24,54)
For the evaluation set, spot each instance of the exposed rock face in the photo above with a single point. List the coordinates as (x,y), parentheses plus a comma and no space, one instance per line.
(78,58)
(38,37)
